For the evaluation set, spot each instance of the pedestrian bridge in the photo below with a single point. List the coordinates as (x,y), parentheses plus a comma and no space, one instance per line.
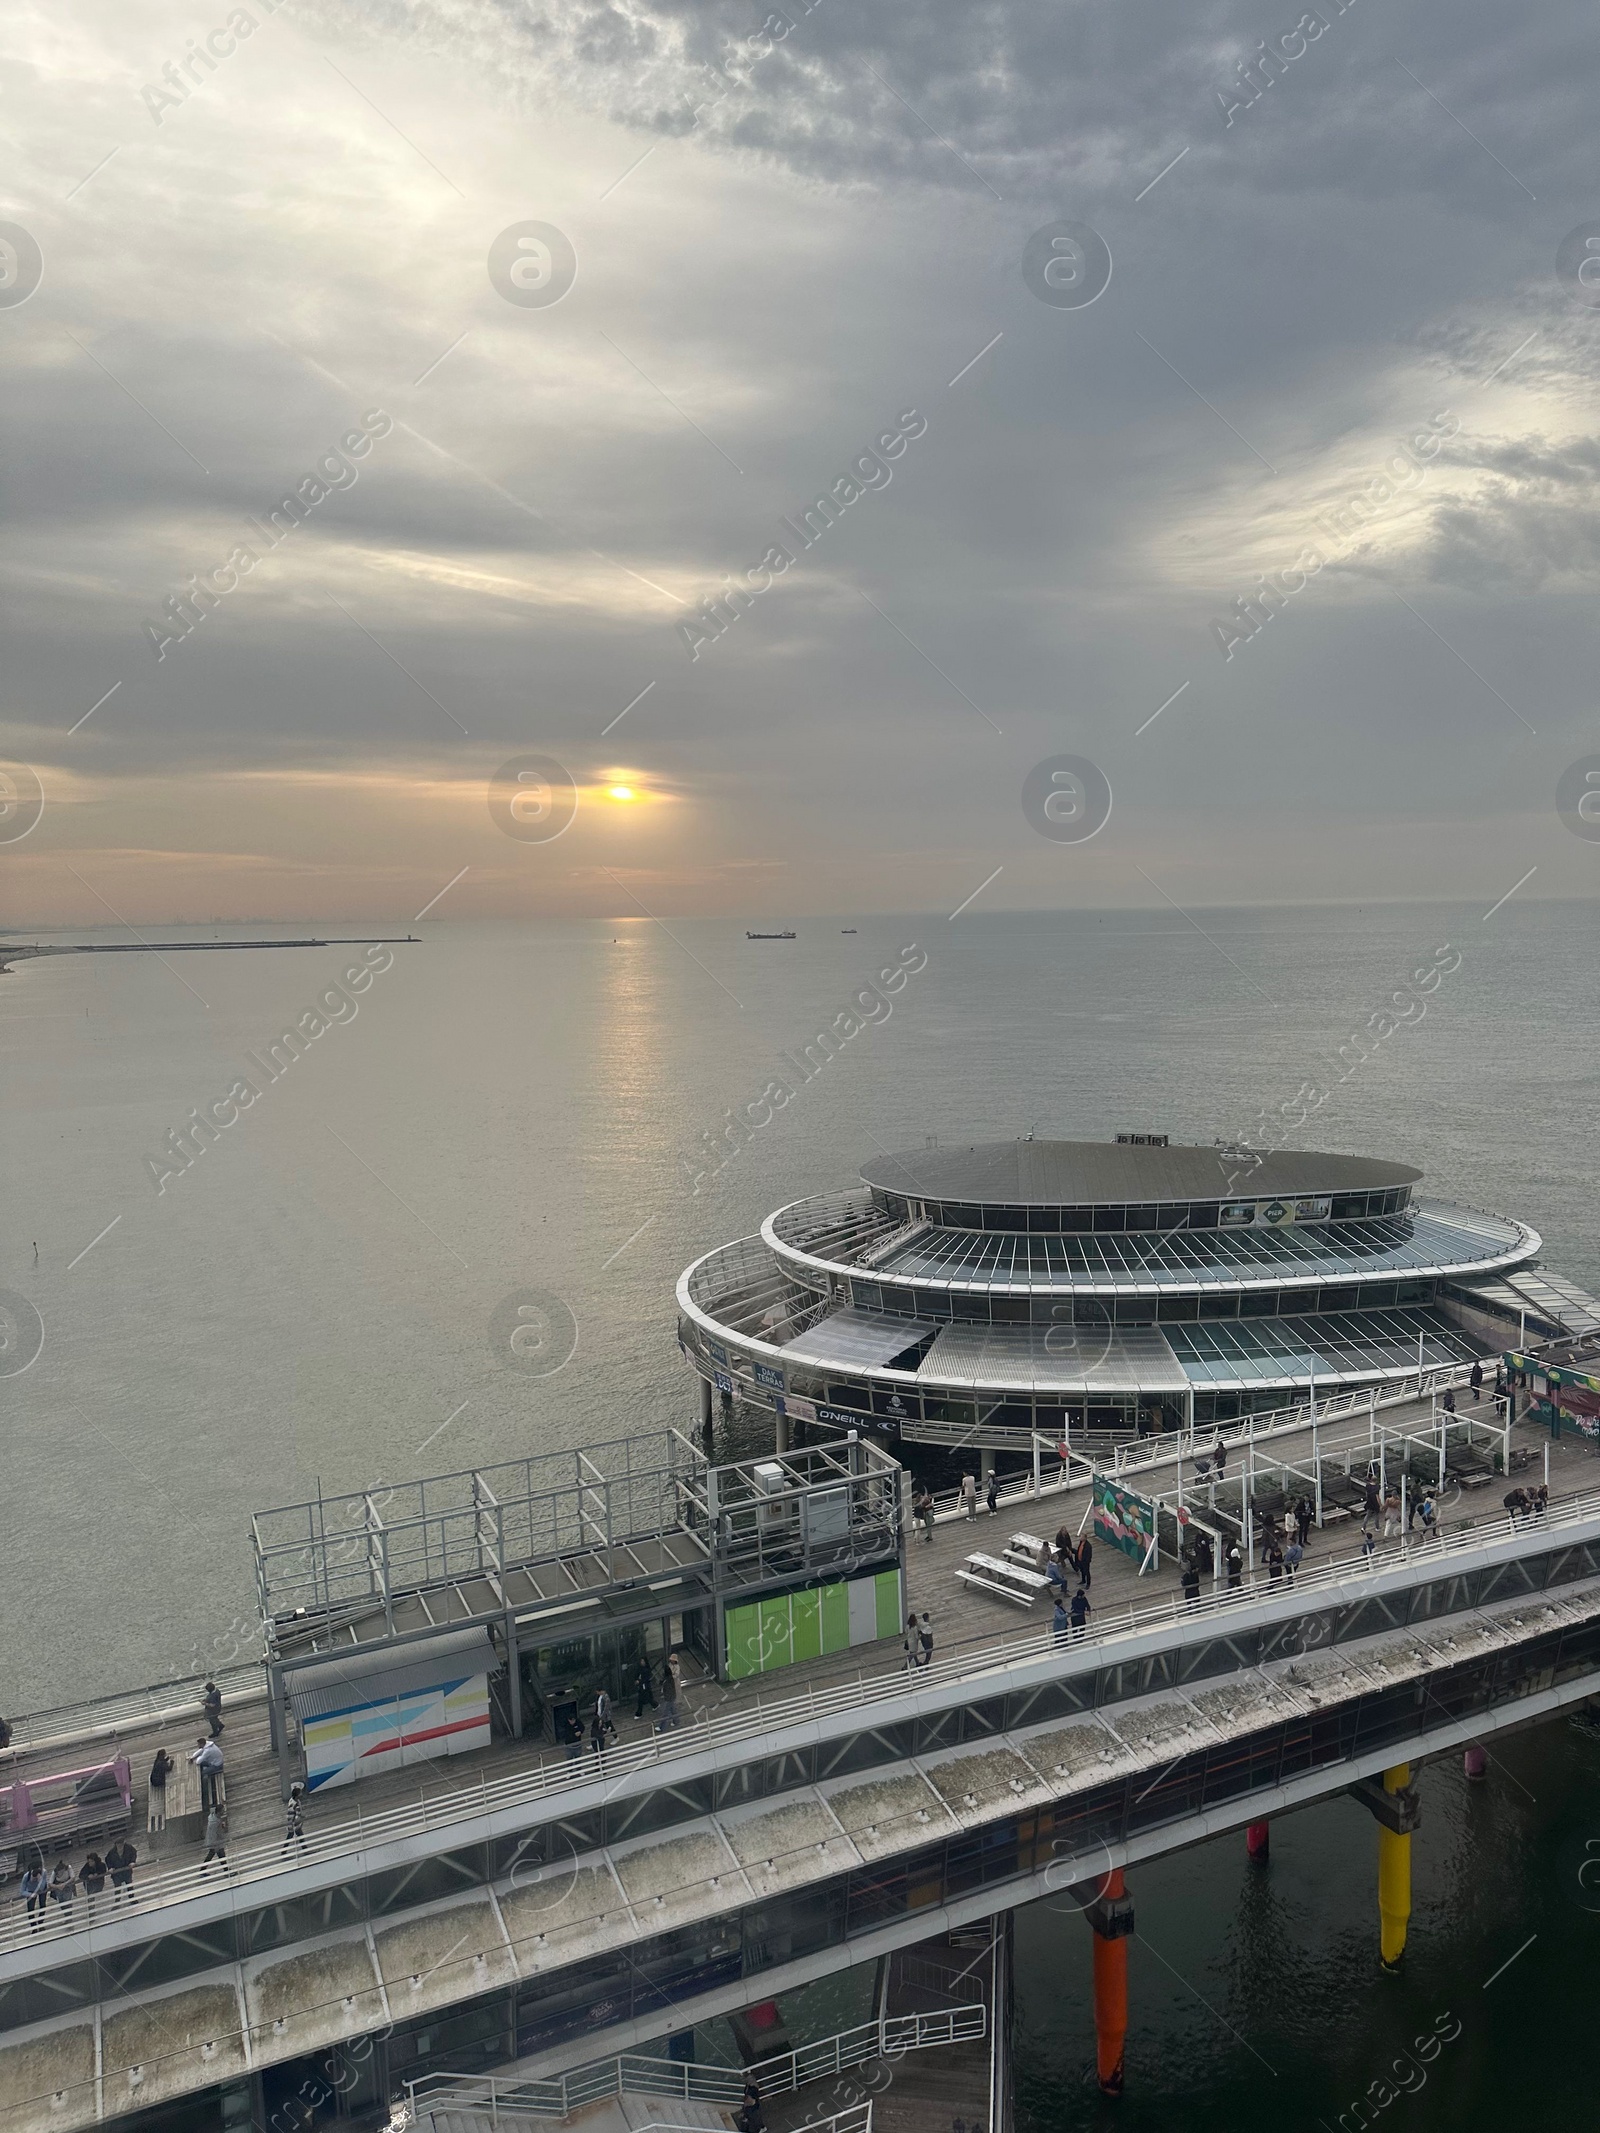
(569,1909)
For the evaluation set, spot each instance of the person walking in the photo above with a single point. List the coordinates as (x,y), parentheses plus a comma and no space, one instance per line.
(1369,1545)
(1304,1512)
(211,1705)
(294,1818)
(1450,1400)
(912,1645)
(1190,1583)
(925,1641)
(216,1838)
(1541,1500)
(991,1495)
(1222,1460)
(62,1888)
(1085,1562)
(670,1685)
(1235,1564)
(1079,1612)
(750,2117)
(35,1892)
(1475,1381)
(1430,1514)
(156,1815)
(1274,1560)
(1060,1622)
(601,1723)
(969,1497)
(644,1687)
(207,1757)
(1293,1556)
(922,1508)
(121,1860)
(1371,1503)
(1391,1513)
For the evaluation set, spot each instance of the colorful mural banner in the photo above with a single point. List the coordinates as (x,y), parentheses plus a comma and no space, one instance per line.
(1558,1396)
(417,1726)
(1127,1521)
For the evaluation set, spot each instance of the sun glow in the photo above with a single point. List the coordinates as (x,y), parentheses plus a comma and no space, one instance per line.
(621,792)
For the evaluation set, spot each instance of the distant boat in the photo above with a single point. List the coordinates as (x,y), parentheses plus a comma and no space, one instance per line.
(749,936)
(847,929)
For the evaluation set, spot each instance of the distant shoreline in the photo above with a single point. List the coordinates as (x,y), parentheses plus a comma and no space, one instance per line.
(24,951)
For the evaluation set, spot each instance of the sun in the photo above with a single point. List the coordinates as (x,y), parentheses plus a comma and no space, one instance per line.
(621,792)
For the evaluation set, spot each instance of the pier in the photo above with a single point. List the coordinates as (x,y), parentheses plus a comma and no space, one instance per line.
(568,1786)
(559,1907)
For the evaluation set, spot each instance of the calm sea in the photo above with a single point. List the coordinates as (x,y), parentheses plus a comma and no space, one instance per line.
(520,1106)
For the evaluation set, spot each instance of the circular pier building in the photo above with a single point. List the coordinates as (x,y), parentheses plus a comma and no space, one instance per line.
(969,1295)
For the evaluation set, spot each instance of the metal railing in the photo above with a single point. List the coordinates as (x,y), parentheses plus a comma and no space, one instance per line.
(1126,1452)
(1285,1421)
(165,1703)
(749,1716)
(632,2074)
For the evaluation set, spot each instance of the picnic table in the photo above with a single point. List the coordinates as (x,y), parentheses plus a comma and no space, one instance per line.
(1005,1578)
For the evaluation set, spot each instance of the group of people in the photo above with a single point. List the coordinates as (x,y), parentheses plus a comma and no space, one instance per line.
(39,1890)
(917,1642)
(58,1887)
(602,1727)
(1061,1560)
(1528,1503)
(969,1499)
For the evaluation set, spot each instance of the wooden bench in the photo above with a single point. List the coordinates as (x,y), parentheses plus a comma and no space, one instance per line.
(1005,1579)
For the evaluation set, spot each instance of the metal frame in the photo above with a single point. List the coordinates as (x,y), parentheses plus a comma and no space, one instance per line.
(476,1541)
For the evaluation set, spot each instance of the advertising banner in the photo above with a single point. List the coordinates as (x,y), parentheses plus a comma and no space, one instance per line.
(1127,1521)
(1272,1214)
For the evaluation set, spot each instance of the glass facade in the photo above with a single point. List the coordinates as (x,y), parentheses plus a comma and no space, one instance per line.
(1124,1314)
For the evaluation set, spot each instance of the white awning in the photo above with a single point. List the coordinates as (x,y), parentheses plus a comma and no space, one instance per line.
(857,1340)
(1053,1359)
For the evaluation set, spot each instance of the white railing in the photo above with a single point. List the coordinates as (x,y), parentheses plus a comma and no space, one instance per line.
(738,1725)
(632,2074)
(166,1703)
(1249,1430)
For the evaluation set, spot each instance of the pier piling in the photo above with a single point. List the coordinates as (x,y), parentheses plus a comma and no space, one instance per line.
(1111,1918)
(1394,1877)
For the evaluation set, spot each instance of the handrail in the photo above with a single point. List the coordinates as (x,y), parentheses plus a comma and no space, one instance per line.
(737,1725)
(632,2073)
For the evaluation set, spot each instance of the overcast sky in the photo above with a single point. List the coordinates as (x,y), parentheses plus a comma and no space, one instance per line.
(776,268)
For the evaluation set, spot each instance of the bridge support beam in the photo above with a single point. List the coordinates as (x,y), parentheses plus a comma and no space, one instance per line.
(1110,1915)
(1257,1838)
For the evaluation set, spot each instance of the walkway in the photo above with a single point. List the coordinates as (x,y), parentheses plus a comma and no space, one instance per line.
(971,1630)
